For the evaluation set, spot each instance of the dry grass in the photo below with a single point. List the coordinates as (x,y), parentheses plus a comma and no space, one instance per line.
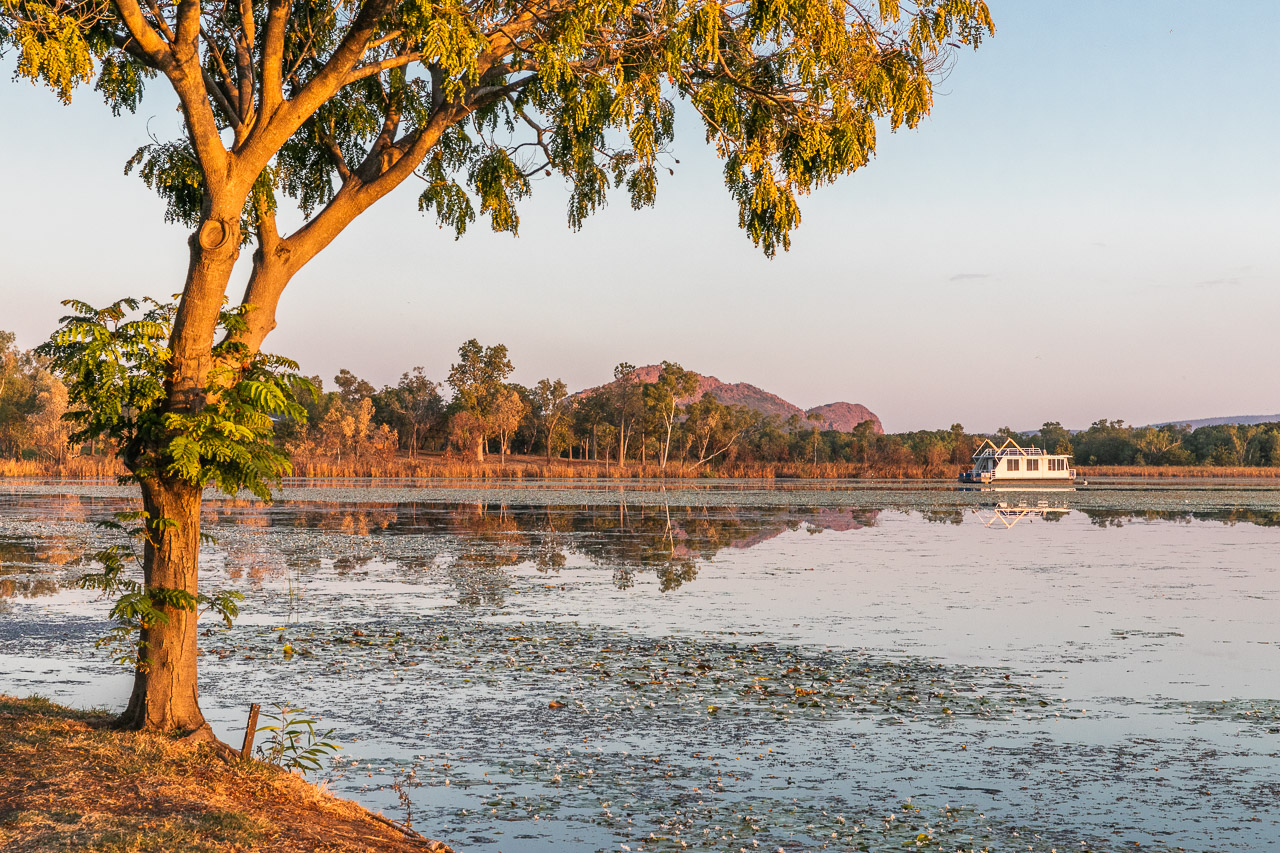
(68,782)
(439,466)
(1179,471)
(75,468)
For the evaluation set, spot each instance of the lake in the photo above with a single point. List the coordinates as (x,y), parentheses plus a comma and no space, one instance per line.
(732,666)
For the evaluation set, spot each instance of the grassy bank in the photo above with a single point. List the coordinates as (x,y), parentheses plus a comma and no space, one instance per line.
(1165,472)
(442,466)
(69,782)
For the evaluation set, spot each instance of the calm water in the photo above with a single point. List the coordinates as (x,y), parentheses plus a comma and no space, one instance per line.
(542,667)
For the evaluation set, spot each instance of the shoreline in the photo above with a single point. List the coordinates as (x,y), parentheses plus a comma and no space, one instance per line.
(69,781)
(524,468)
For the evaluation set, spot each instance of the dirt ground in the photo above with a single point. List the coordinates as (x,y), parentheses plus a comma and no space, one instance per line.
(70,782)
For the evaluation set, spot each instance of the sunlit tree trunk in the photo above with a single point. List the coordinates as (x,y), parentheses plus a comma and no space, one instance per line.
(164,686)
(164,694)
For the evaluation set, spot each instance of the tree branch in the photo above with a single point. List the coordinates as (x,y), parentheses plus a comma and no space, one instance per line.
(150,42)
(272,85)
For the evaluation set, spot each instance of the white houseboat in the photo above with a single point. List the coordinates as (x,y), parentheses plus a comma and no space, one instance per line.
(1010,463)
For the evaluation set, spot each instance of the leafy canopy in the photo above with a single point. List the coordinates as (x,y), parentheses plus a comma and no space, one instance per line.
(116,365)
(332,104)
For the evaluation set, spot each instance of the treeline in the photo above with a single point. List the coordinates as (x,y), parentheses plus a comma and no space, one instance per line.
(1113,443)
(476,419)
(476,414)
(32,403)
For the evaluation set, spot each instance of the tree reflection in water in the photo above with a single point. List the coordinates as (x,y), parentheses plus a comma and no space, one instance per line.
(474,544)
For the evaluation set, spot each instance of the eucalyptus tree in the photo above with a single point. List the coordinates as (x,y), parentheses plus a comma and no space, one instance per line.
(416,404)
(329,106)
(550,406)
(662,397)
(479,380)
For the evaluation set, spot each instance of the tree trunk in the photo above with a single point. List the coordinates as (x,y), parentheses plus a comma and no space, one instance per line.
(480,450)
(164,687)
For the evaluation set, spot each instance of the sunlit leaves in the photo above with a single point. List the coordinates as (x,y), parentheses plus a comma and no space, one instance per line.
(171,171)
(52,47)
(790,93)
(115,370)
(499,184)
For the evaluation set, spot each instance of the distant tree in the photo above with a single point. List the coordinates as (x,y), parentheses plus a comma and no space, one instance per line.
(362,427)
(20,384)
(662,398)
(713,427)
(466,430)
(478,380)
(626,396)
(352,388)
(815,419)
(9,357)
(417,406)
(50,431)
(550,408)
(1054,438)
(508,410)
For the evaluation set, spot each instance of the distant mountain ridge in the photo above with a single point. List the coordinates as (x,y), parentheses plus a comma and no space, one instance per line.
(1242,420)
(834,416)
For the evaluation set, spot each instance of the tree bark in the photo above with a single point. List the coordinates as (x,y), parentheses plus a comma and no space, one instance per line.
(164,686)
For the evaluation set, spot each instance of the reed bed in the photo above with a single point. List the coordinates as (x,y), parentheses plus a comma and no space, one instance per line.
(1157,472)
(532,467)
(73,468)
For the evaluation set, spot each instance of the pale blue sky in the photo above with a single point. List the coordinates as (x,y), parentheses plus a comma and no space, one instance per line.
(1088,226)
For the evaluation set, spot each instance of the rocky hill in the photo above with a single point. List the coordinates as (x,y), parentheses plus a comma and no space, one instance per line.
(845,416)
(836,416)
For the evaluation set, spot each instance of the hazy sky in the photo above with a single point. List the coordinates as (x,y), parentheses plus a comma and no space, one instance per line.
(1088,226)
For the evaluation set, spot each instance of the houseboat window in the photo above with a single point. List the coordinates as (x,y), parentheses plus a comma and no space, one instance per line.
(1033,464)
(1057,464)
(1012,464)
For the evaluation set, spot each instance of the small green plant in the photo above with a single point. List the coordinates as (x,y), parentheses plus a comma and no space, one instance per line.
(136,607)
(293,742)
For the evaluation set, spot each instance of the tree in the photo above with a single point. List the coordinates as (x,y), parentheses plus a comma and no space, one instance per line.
(19,387)
(352,388)
(814,431)
(663,398)
(50,432)
(417,405)
(550,405)
(713,427)
(627,402)
(9,355)
(508,410)
(478,381)
(331,106)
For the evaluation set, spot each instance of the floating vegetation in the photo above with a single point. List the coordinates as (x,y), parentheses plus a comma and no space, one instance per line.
(1256,715)
(572,668)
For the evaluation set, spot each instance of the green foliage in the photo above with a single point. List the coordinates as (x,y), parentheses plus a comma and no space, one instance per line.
(137,607)
(293,742)
(478,376)
(115,369)
(53,47)
(791,95)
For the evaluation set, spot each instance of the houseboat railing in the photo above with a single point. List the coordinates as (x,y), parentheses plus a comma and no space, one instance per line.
(1010,451)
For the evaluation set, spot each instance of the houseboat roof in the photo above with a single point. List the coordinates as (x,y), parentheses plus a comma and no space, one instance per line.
(1011,448)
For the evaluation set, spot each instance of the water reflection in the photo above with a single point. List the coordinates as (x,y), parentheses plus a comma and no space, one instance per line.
(474,542)
(1005,516)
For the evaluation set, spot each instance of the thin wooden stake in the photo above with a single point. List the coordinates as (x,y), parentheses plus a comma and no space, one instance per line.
(250,729)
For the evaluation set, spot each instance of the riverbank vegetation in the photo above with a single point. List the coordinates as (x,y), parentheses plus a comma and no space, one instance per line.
(68,781)
(478,424)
